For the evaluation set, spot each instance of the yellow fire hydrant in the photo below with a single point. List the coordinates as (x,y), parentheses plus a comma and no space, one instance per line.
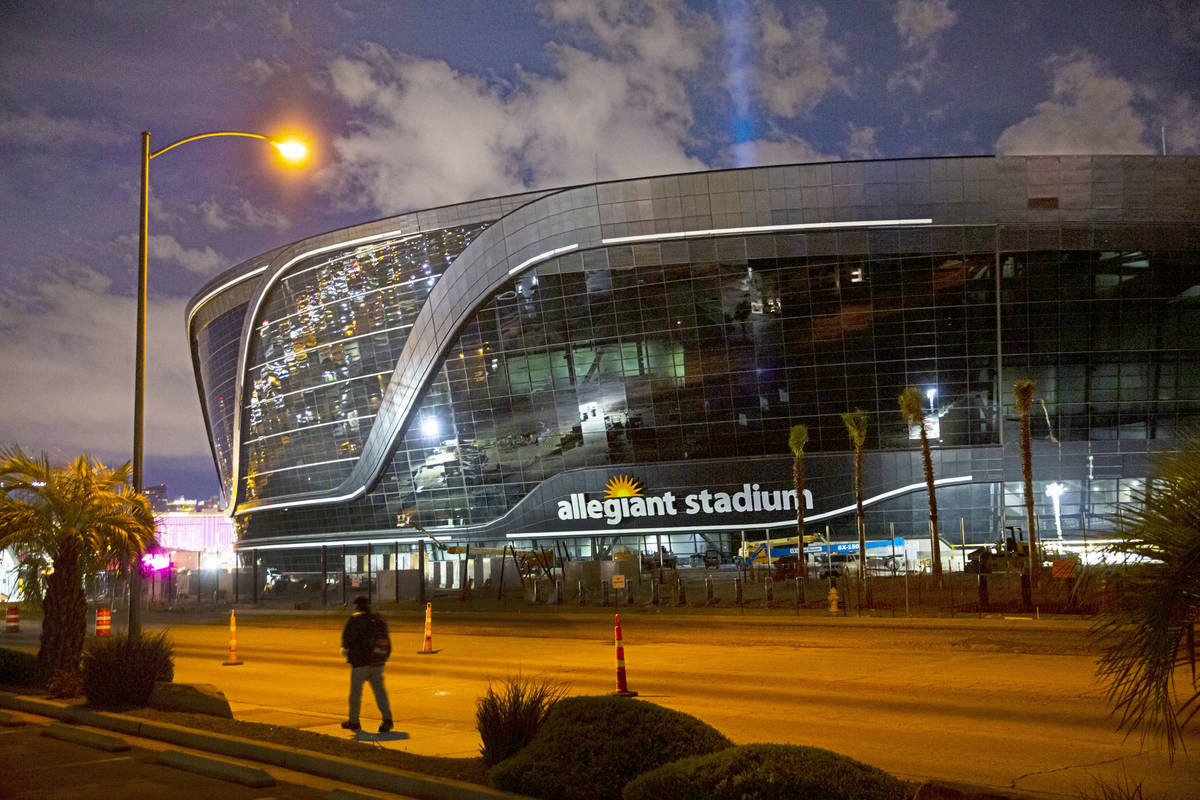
(833,608)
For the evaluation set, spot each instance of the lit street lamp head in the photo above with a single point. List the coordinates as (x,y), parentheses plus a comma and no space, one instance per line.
(292,149)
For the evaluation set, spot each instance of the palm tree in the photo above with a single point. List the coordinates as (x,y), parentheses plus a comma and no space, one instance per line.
(1023,391)
(81,518)
(856,427)
(1142,636)
(914,414)
(797,438)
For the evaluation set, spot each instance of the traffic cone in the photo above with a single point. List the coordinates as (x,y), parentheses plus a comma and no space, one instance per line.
(622,688)
(12,620)
(427,648)
(103,621)
(233,659)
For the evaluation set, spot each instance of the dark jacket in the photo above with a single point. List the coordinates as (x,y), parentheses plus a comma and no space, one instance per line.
(358,638)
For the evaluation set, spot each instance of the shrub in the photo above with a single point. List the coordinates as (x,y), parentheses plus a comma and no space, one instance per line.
(767,772)
(589,747)
(18,668)
(509,717)
(121,670)
(65,683)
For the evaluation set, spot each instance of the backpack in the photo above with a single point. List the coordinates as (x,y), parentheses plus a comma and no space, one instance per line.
(381,644)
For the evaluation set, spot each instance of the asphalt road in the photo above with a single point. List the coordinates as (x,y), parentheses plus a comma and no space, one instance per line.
(1001,702)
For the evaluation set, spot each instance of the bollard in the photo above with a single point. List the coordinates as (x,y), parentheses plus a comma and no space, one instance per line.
(654,593)
(103,621)
(682,592)
(233,659)
(833,600)
(622,687)
(604,592)
(769,590)
(708,590)
(12,620)
(427,648)
(628,593)
(582,596)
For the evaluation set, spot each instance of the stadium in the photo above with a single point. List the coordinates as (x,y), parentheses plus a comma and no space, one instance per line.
(615,367)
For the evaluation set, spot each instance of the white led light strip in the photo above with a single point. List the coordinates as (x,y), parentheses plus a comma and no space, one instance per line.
(558,251)
(800,226)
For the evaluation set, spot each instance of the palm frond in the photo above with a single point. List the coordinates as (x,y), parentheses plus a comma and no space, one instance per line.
(1142,637)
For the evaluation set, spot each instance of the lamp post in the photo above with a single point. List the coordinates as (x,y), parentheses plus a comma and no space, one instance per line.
(291,149)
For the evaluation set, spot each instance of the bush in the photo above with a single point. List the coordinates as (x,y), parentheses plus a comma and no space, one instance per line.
(590,747)
(65,683)
(767,772)
(121,670)
(508,718)
(18,668)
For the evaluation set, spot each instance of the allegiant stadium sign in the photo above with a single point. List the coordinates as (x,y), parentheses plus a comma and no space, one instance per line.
(623,499)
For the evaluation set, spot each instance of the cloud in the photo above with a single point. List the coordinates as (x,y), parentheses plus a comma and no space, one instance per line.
(618,99)
(245,214)
(259,71)
(39,129)
(1090,111)
(68,367)
(793,66)
(425,133)
(861,143)
(1183,17)
(781,150)
(920,24)
(165,247)
(920,21)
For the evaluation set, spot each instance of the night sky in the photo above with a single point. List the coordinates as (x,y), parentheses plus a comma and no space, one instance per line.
(410,105)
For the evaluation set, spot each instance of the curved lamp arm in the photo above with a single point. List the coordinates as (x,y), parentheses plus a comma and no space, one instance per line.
(278,145)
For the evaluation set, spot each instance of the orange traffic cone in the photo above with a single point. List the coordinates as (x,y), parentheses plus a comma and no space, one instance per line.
(103,621)
(427,648)
(233,659)
(12,620)
(622,688)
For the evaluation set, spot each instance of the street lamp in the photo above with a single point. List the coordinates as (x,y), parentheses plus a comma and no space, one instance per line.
(291,149)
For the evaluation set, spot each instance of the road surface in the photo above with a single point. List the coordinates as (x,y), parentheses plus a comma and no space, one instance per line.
(998,701)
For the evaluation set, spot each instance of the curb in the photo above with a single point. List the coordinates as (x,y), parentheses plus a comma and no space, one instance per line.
(398,781)
(215,768)
(109,744)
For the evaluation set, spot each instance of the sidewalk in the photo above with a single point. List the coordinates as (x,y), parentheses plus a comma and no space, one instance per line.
(367,776)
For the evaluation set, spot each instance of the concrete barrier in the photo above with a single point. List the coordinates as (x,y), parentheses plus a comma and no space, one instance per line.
(99,741)
(215,768)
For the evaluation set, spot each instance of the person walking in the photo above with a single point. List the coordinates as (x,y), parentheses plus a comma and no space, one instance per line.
(366,645)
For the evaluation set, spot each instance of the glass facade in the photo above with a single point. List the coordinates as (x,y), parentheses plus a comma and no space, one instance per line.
(323,347)
(707,348)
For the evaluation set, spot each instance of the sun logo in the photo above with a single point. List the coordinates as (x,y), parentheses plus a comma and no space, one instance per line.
(622,486)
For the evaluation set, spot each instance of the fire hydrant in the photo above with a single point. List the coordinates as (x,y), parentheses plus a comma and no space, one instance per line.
(833,608)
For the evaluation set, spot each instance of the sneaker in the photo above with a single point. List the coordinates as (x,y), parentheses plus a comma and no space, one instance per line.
(351,726)
(385,726)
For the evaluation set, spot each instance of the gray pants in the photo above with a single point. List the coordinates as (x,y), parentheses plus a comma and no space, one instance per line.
(372,674)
